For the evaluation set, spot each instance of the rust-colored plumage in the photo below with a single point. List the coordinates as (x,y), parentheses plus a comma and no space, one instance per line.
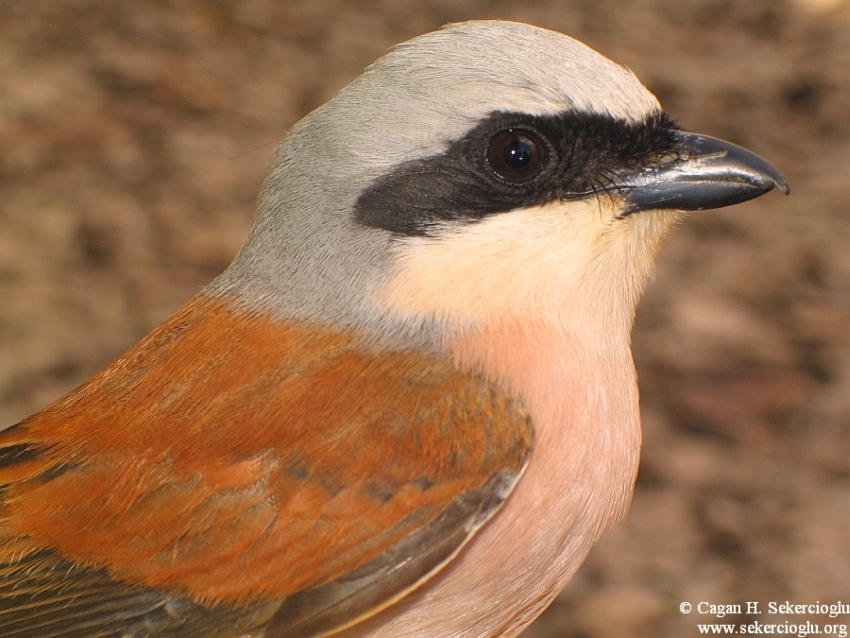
(227,453)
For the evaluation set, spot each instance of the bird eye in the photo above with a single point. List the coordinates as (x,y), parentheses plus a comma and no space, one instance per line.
(515,155)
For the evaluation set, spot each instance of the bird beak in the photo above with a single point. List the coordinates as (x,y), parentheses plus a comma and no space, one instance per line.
(704,173)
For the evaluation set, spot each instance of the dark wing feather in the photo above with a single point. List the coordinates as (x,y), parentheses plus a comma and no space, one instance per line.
(372,587)
(42,595)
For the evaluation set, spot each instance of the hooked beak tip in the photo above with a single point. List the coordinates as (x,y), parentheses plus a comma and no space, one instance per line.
(709,173)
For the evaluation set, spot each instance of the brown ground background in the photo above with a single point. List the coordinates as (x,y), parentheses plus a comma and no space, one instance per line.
(133,139)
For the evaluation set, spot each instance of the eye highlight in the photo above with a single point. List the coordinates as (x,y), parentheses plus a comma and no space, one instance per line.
(515,155)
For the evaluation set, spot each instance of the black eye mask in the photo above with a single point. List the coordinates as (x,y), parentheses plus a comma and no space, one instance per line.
(511,161)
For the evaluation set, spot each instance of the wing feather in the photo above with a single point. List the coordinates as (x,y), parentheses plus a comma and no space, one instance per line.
(230,462)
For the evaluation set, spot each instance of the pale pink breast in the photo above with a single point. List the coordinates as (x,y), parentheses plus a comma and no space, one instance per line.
(583,400)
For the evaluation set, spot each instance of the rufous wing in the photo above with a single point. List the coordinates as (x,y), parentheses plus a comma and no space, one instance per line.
(234,472)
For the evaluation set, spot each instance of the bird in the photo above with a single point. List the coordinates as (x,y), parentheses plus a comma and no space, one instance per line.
(409,407)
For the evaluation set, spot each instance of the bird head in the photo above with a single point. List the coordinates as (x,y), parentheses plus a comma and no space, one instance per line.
(486,170)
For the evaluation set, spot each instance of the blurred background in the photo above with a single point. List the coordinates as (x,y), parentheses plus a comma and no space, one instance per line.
(134,138)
